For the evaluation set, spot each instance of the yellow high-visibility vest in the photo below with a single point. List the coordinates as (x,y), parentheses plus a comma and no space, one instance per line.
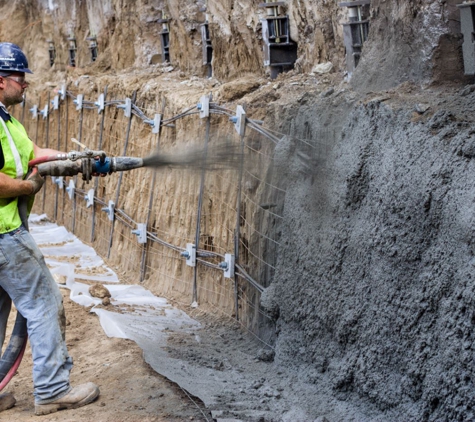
(17,152)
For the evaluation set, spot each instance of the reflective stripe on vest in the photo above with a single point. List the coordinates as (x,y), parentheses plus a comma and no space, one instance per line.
(15,142)
(16,154)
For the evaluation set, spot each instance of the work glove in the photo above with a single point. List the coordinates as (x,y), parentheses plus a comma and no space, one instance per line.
(36,181)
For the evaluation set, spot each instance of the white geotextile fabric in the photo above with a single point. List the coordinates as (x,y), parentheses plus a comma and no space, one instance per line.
(138,315)
(136,312)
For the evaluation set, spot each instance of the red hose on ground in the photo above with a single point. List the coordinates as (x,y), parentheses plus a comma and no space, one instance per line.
(14,367)
(11,372)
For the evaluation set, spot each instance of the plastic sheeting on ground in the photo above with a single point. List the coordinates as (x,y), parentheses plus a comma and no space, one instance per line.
(135,312)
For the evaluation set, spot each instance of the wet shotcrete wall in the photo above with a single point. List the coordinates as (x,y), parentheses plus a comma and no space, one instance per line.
(374,292)
(417,41)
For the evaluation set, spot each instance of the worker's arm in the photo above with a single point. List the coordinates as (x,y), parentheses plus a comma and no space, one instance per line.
(43,152)
(10,188)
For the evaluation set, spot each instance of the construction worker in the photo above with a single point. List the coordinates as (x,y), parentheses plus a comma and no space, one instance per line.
(24,276)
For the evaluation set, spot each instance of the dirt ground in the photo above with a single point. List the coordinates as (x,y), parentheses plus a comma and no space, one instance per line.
(130,389)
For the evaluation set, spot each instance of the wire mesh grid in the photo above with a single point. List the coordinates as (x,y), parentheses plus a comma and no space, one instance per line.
(115,131)
(216,231)
(240,213)
(168,271)
(220,190)
(218,291)
(126,250)
(261,210)
(255,319)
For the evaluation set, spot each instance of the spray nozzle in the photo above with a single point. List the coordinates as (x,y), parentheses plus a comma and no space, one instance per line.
(87,153)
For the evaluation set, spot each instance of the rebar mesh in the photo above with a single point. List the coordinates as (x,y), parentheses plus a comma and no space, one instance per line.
(236,210)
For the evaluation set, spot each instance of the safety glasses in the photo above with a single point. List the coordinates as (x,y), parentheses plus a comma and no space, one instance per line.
(19,80)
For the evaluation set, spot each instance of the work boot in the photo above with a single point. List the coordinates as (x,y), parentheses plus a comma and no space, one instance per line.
(79,396)
(7,401)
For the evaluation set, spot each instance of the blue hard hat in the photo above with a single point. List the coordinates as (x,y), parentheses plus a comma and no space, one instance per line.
(12,59)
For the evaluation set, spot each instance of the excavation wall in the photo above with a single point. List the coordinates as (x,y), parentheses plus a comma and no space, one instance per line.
(229,205)
(356,218)
(417,41)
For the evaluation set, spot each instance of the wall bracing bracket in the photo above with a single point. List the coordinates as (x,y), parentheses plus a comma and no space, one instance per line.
(239,120)
(141,233)
(100,103)
(55,102)
(207,47)
(190,254)
(34,112)
(58,181)
(355,31)
(70,189)
(51,52)
(467,24)
(44,112)
(72,51)
(279,51)
(228,265)
(62,92)
(155,123)
(203,106)
(109,210)
(165,38)
(78,101)
(93,47)
(89,197)
(127,107)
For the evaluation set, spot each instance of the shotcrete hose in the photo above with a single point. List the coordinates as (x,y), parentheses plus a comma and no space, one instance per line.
(46,159)
(10,360)
(72,168)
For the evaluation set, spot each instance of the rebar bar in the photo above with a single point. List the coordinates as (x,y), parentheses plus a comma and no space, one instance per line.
(200,206)
(81,118)
(46,143)
(126,143)
(96,181)
(58,146)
